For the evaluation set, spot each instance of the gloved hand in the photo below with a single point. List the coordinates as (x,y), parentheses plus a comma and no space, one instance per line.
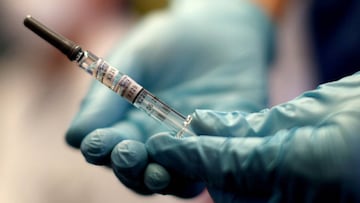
(305,150)
(195,55)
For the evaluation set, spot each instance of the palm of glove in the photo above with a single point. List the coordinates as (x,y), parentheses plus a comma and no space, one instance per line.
(205,58)
(301,151)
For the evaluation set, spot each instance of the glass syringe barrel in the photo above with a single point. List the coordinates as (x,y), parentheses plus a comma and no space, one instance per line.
(115,80)
(134,93)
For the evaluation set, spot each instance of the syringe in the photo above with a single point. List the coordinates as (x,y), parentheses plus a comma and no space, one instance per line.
(115,80)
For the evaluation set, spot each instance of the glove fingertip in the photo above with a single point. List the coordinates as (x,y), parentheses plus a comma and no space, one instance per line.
(74,137)
(156,177)
(80,127)
(129,157)
(217,123)
(205,120)
(129,160)
(97,146)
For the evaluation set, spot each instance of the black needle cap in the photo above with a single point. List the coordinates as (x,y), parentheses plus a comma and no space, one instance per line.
(66,46)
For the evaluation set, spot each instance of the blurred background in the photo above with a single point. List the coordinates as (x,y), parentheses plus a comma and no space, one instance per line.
(41,92)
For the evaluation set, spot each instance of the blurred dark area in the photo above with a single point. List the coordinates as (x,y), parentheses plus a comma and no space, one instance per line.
(4,35)
(335,35)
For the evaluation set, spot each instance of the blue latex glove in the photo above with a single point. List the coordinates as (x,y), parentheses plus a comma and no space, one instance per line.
(305,150)
(194,55)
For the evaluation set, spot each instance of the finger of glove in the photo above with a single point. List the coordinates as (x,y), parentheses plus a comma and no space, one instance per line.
(203,158)
(97,146)
(130,164)
(159,180)
(129,160)
(216,123)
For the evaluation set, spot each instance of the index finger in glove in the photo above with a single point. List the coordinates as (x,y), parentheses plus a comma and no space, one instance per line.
(203,158)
